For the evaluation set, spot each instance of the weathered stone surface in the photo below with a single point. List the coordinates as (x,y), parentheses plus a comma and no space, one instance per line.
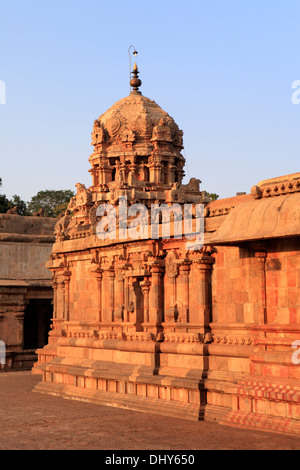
(260,219)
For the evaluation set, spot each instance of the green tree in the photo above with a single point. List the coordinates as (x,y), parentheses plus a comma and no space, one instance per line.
(21,205)
(213,196)
(51,202)
(15,202)
(4,204)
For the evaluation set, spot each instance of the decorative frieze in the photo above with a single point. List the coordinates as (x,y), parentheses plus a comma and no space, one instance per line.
(233,340)
(277,187)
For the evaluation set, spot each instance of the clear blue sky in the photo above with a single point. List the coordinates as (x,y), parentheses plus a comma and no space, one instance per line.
(222,69)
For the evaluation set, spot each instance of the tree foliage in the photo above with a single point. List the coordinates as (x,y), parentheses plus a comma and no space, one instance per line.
(19,204)
(4,204)
(52,202)
(15,203)
(213,196)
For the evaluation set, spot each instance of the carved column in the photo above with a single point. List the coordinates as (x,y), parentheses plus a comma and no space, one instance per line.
(101,179)
(200,295)
(119,310)
(99,282)
(63,289)
(261,256)
(184,273)
(202,307)
(171,306)
(146,289)
(55,331)
(156,300)
(171,171)
(155,169)
(60,299)
(108,308)
(133,168)
(131,315)
(126,299)
(54,285)
(171,269)
(67,275)
(94,173)
(105,172)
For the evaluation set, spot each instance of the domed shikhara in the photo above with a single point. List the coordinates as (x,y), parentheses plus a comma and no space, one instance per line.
(138,116)
(138,145)
(137,155)
(136,135)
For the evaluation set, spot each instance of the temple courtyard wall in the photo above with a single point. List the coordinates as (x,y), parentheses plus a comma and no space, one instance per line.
(26,293)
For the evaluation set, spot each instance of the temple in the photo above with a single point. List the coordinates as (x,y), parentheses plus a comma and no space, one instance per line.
(156,325)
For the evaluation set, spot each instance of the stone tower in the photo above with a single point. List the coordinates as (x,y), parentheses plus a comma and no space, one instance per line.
(118,302)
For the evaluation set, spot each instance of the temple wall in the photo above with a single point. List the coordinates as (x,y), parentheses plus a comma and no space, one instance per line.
(252,289)
(234,286)
(24,261)
(25,286)
(210,331)
(283,282)
(83,292)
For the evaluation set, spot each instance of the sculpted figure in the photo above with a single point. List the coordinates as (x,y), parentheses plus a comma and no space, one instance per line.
(162,131)
(128,136)
(98,134)
(83,195)
(131,178)
(62,225)
(193,185)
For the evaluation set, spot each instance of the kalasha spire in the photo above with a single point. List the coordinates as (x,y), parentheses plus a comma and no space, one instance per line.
(135,82)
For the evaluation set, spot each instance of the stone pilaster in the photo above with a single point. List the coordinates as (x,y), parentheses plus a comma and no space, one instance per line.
(156,299)
(202,299)
(67,276)
(184,270)
(261,257)
(108,298)
(120,296)
(146,284)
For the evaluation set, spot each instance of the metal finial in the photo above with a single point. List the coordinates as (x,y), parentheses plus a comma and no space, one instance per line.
(135,82)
